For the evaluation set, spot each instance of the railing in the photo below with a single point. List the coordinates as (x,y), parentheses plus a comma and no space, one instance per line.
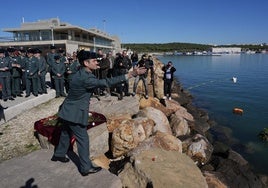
(61,37)
(6,39)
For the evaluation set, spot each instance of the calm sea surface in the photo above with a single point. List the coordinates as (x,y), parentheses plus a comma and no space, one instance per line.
(208,78)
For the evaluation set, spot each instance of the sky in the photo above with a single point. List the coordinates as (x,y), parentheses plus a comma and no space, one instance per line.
(217,22)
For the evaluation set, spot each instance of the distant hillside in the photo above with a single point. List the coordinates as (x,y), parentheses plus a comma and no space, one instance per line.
(183,47)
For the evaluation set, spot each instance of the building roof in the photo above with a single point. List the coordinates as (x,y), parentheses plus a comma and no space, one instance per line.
(56,25)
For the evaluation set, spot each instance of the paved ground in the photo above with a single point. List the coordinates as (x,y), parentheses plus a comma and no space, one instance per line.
(36,170)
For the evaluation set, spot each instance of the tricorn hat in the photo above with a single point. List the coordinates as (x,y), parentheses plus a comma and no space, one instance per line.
(37,51)
(2,51)
(10,49)
(84,55)
(30,50)
(56,57)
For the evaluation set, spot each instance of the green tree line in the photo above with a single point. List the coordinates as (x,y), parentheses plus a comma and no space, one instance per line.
(183,47)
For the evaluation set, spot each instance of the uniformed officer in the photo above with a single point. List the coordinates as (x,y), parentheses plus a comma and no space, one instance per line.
(58,70)
(22,61)
(42,70)
(50,61)
(31,74)
(5,75)
(74,110)
(16,73)
(71,68)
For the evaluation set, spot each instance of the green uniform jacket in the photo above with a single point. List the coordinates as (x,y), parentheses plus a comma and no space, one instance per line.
(4,62)
(42,66)
(58,68)
(32,67)
(75,107)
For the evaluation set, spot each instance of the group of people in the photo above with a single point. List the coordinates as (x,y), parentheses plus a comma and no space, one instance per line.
(25,70)
(81,75)
(19,72)
(121,64)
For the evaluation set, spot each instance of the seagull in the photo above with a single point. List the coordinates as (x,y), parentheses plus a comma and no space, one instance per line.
(234,79)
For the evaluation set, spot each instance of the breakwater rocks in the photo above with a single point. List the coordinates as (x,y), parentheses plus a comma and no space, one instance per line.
(162,143)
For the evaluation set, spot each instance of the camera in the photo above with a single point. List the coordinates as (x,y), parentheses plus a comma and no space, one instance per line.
(99,59)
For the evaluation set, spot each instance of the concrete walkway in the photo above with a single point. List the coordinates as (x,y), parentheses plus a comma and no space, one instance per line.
(36,170)
(21,104)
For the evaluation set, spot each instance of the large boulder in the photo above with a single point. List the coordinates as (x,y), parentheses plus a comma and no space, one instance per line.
(236,172)
(179,125)
(158,79)
(111,106)
(198,148)
(126,137)
(182,112)
(161,168)
(114,121)
(160,119)
(159,140)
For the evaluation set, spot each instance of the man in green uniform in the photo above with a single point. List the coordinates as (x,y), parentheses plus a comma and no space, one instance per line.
(22,61)
(31,74)
(50,61)
(42,70)
(71,68)
(58,70)
(5,68)
(75,108)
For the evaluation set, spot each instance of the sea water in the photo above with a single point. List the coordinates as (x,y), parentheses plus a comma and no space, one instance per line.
(210,80)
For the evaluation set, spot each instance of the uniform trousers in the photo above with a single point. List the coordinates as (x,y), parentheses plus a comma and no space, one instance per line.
(80,133)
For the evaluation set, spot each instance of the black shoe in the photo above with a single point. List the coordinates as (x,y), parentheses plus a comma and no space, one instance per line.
(19,95)
(27,96)
(61,159)
(11,98)
(91,171)
(57,96)
(127,94)
(45,92)
(5,99)
(14,96)
(120,97)
(35,95)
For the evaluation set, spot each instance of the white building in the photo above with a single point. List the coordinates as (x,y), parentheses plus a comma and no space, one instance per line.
(226,50)
(43,33)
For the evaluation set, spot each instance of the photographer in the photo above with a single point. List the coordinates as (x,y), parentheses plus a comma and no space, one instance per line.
(168,78)
(142,63)
(121,66)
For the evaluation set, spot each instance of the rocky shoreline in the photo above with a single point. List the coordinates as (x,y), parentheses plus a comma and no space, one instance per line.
(225,164)
(147,143)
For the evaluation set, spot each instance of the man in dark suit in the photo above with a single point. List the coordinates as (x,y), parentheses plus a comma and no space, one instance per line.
(75,108)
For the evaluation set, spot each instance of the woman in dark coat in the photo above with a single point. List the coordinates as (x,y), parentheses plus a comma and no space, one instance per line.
(168,78)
